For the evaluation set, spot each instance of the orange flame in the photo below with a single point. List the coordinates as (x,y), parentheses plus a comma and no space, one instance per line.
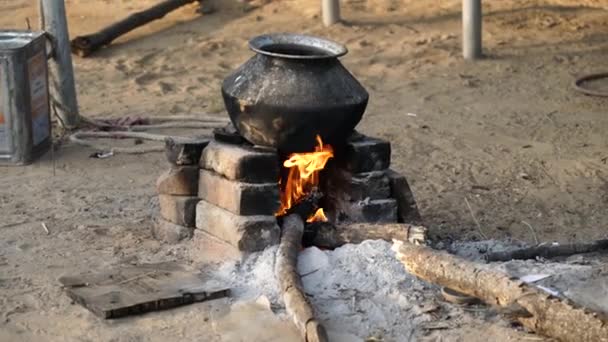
(303,177)
(318,216)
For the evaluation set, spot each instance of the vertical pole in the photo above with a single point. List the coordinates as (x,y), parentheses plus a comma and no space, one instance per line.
(63,89)
(331,11)
(471,29)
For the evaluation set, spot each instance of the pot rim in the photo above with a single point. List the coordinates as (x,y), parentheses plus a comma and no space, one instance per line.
(329,48)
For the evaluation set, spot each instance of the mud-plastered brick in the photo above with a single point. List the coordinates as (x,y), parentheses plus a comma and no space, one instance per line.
(247,233)
(179,180)
(400,190)
(374,211)
(241,163)
(238,197)
(178,209)
(372,185)
(367,154)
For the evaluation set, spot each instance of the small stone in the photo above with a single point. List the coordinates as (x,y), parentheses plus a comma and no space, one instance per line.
(367,154)
(179,180)
(406,203)
(178,209)
(242,163)
(228,135)
(372,185)
(247,233)
(170,232)
(376,211)
(237,197)
(184,151)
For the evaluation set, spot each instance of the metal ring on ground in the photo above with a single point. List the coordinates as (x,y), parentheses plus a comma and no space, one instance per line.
(590,77)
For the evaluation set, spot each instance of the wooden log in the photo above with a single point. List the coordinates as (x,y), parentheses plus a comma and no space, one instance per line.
(85,45)
(332,236)
(548,251)
(296,303)
(63,88)
(547,315)
(306,206)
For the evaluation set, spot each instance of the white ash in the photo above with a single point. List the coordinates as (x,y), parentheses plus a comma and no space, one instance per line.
(364,290)
(361,290)
(586,285)
(251,278)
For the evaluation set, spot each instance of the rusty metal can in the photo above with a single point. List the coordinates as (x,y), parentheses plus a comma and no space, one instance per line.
(25,124)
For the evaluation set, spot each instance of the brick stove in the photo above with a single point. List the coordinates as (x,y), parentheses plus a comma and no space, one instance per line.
(292,148)
(232,192)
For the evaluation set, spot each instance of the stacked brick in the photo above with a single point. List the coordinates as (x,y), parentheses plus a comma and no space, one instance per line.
(178,195)
(239,194)
(371,192)
(231,191)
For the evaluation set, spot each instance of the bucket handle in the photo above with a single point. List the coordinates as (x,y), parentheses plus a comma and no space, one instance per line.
(52,42)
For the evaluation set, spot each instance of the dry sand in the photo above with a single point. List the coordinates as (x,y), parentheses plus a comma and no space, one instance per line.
(508,133)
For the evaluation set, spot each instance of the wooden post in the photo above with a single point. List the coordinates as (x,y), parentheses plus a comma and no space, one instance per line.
(471,29)
(331,11)
(63,89)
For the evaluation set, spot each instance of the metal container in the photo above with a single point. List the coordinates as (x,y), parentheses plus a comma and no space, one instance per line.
(25,125)
(292,90)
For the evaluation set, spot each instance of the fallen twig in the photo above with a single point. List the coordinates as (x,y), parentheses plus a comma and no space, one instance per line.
(14,224)
(475,219)
(46,229)
(532,230)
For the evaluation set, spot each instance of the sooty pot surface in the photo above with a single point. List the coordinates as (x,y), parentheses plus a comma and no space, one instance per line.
(293,89)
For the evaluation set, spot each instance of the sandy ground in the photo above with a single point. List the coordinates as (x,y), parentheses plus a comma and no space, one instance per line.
(507,133)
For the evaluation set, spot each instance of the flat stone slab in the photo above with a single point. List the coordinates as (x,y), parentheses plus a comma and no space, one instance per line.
(246,233)
(178,209)
(170,232)
(366,154)
(179,180)
(241,163)
(400,190)
(237,197)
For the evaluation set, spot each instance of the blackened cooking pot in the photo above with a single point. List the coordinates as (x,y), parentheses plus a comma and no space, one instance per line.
(293,89)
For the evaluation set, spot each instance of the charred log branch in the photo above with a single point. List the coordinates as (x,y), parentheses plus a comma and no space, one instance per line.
(548,251)
(86,45)
(327,235)
(296,303)
(307,206)
(546,314)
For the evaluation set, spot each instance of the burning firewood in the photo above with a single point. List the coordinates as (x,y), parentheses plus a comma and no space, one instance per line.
(296,303)
(538,311)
